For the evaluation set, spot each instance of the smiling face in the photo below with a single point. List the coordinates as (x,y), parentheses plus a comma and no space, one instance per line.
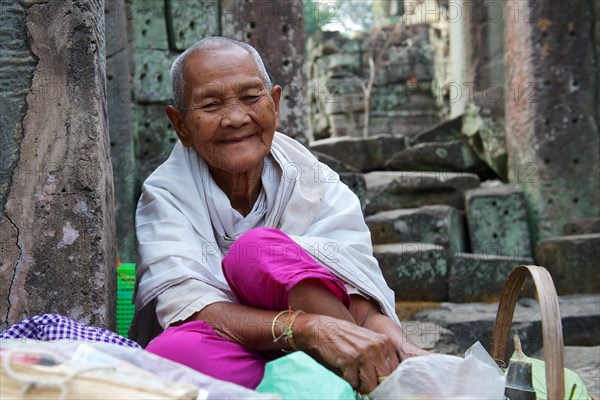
(230,117)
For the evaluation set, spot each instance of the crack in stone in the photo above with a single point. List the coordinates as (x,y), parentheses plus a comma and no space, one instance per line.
(5,322)
(114,53)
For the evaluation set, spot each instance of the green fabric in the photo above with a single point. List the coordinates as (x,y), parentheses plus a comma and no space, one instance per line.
(538,375)
(298,376)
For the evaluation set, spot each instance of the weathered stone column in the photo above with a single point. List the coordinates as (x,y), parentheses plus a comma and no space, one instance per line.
(484,48)
(120,112)
(552,130)
(484,86)
(57,229)
(276,29)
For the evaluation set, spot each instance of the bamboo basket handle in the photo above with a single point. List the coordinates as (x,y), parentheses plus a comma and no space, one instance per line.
(551,323)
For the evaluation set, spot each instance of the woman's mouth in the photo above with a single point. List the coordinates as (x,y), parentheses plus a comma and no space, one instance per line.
(236,139)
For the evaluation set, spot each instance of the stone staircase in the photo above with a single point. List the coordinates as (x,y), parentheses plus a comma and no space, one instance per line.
(438,234)
(446,228)
(447,233)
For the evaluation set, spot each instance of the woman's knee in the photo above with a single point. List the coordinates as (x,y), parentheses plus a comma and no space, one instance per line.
(257,248)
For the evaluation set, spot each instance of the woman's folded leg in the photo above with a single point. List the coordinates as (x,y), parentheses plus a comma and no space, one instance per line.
(266,269)
(196,345)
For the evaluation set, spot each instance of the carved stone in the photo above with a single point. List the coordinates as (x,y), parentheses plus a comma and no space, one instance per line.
(57,227)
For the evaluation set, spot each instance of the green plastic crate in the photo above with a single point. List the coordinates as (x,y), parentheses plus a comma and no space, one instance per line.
(125,307)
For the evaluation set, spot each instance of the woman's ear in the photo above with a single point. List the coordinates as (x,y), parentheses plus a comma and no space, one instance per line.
(176,118)
(276,96)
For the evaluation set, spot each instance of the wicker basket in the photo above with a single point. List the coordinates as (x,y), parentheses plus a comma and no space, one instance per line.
(551,324)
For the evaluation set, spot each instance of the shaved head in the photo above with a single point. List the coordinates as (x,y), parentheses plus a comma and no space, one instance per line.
(211,43)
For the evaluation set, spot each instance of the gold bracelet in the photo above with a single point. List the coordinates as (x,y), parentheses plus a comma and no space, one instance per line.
(290,338)
(287,333)
(275,337)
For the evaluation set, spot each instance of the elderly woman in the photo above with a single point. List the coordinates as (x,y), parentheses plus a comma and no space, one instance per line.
(248,246)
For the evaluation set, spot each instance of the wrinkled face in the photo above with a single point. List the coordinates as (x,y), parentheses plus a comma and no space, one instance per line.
(230,118)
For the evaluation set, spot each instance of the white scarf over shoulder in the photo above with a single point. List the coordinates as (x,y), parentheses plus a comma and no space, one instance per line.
(177,238)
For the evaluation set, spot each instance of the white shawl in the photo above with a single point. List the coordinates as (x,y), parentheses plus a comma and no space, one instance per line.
(177,241)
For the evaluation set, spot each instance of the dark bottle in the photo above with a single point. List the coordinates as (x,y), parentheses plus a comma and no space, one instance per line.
(518,381)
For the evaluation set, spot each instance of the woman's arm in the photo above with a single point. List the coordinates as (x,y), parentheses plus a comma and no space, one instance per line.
(361,355)
(250,327)
(367,314)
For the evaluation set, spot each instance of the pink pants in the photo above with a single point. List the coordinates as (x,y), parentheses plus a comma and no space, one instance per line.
(261,268)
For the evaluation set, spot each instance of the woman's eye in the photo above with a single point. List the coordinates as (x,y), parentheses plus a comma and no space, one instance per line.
(210,106)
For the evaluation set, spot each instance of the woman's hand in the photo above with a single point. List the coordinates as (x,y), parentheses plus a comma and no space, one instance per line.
(405,346)
(367,314)
(361,355)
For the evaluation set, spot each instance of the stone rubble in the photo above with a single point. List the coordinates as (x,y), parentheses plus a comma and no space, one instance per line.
(403,99)
(366,154)
(407,189)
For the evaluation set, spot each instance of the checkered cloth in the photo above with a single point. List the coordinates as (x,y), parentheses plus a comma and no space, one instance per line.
(53,327)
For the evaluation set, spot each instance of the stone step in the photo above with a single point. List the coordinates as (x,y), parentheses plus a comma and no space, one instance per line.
(454,155)
(361,154)
(414,271)
(447,130)
(437,224)
(470,322)
(572,261)
(497,220)
(394,190)
(432,337)
(333,163)
(584,360)
(583,226)
(480,277)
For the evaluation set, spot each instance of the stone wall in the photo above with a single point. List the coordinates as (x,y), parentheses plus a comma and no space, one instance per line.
(151,34)
(404,97)
(533,126)
(552,127)
(57,229)
(162,30)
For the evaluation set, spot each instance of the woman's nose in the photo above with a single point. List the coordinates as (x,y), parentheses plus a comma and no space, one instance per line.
(235,115)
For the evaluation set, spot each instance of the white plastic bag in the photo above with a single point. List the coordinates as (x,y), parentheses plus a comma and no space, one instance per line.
(440,376)
(126,364)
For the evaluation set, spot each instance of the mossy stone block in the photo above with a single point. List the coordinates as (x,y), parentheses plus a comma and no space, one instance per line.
(572,261)
(480,277)
(414,271)
(191,20)
(152,76)
(497,220)
(389,97)
(149,24)
(437,224)
(582,226)
(337,65)
(155,138)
